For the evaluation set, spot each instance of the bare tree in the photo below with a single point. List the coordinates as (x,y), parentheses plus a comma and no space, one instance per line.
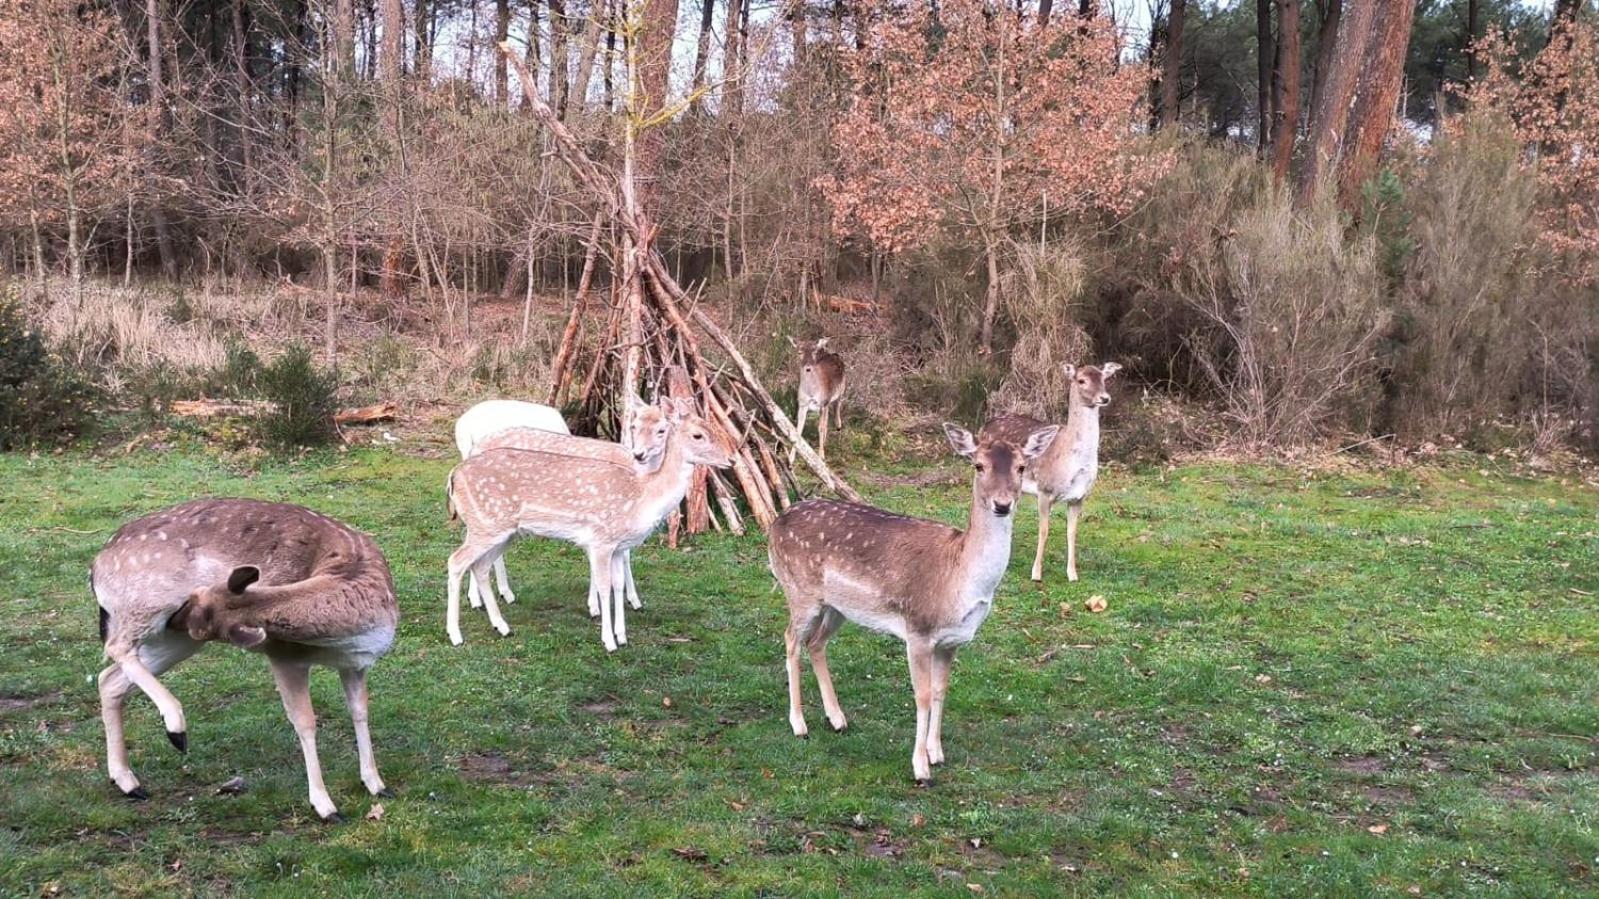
(1172,68)
(1329,118)
(1263,61)
(1377,95)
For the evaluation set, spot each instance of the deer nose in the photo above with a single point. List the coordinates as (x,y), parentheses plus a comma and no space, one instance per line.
(1104,399)
(638,457)
(1001,509)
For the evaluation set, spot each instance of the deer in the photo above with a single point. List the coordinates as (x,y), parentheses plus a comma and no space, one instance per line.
(605,507)
(1068,471)
(821,388)
(277,579)
(929,584)
(643,440)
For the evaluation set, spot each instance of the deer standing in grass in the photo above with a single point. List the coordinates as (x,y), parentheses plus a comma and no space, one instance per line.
(926,583)
(644,429)
(821,389)
(603,506)
(281,580)
(1068,471)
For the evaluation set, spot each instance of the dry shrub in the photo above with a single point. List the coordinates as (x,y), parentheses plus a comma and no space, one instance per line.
(1040,295)
(1294,307)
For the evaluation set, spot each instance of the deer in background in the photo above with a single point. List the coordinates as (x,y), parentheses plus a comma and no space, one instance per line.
(926,583)
(1068,471)
(605,507)
(821,388)
(281,580)
(644,430)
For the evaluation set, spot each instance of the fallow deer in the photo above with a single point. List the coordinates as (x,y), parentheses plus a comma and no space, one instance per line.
(604,507)
(277,579)
(644,430)
(925,582)
(821,389)
(1071,466)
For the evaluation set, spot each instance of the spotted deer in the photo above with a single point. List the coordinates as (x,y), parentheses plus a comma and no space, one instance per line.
(644,442)
(926,583)
(1068,471)
(821,389)
(603,506)
(277,579)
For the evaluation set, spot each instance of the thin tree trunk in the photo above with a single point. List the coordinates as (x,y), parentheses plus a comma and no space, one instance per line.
(391,69)
(1172,67)
(422,53)
(1330,117)
(610,56)
(502,30)
(1263,61)
(1285,88)
(1329,13)
(585,60)
(732,77)
(344,38)
(1472,11)
(559,29)
(69,169)
(1045,7)
(532,57)
(654,57)
(158,102)
(702,52)
(245,90)
(1087,9)
(1378,94)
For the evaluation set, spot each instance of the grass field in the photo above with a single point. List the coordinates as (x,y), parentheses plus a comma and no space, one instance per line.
(1306,683)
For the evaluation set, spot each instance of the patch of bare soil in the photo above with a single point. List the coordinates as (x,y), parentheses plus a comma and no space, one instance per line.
(494,768)
(1363,766)
(14,703)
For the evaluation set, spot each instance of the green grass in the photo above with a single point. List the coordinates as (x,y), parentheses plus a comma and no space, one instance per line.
(1289,660)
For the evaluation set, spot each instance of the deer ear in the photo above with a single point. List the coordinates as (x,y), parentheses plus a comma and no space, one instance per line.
(1069,369)
(1039,441)
(960,439)
(242,577)
(1110,368)
(245,636)
(678,408)
(821,344)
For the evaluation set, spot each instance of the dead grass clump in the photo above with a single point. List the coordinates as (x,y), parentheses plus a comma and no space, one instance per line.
(1040,294)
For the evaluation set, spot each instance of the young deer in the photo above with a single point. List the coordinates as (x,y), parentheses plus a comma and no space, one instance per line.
(924,582)
(1070,467)
(604,507)
(171,581)
(821,389)
(644,429)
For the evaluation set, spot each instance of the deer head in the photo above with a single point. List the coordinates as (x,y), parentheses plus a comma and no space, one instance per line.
(211,612)
(700,446)
(645,429)
(1088,383)
(998,465)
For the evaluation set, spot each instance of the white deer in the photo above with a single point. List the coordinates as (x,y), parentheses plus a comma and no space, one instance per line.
(605,507)
(1071,466)
(926,583)
(277,579)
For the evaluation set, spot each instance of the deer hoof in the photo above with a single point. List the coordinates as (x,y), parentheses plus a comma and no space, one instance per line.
(334,818)
(838,728)
(180,739)
(137,794)
(925,783)
(384,793)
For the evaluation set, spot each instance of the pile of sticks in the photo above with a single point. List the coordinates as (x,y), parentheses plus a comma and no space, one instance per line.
(652,339)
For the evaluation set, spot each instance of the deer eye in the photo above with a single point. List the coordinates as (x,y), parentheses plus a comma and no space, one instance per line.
(699,436)
(1020,469)
(980,467)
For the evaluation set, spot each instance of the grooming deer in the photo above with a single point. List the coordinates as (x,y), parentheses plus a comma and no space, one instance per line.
(925,582)
(603,506)
(292,584)
(821,388)
(492,424)
(1068,471)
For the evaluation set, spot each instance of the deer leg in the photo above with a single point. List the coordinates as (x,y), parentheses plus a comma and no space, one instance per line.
(114,687)
(474,594)
(133,668)
(632,588)
(821,433)
(619,596)
(600,586)
(354,680)
(799,429)
(920,655)
(294,685)
(482,569)
(465,556)
(796,708)
(838,413)
(503,580)
(942,659)
(1073,511)
(826,627)
(1045,502)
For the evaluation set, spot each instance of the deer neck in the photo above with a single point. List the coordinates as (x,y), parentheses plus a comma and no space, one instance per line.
(984,553)
(1082,427)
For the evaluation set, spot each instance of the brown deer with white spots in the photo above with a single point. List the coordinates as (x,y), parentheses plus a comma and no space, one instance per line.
(281,580)
(1068,471)
(603,506)
(821,390)
(926,583)
(646,429)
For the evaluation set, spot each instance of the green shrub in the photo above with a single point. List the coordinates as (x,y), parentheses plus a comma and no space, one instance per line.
(42,401)
(240,375)
(304,401)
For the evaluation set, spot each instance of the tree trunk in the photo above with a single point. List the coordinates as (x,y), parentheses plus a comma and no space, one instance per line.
(1329,13)
(1472,11)
(531,57)
(1285,88)
(1263,60)
(158,102)
(654,57)
(584,76)
(702,51)
(1330,117)
(422,53)
(245,91)
(732,89)
(391,68)
(1087,9)
(1045,7)
(344,38)
(559,29)
(1377,96)
(1172,68)
(502,30)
